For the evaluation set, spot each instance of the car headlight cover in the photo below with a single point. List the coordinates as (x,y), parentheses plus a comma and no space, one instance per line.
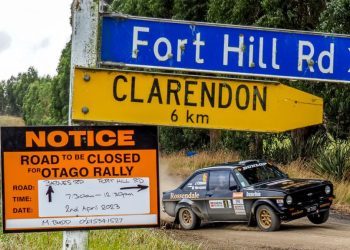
(289,199)
(327,189)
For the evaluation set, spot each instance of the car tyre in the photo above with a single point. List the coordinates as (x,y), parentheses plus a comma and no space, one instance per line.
(188,219)
(319,218)
(267,219)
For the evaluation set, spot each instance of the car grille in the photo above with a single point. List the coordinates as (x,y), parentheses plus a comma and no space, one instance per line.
(308,196)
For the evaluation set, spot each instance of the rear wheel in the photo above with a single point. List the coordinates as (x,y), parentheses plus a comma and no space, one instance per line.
(267,219)
(319,218)
(188,219)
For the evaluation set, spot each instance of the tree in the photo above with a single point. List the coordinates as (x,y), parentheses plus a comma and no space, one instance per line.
(335,17)
(149,8)
(243,12)
(293,14)
(2,98)
(60,88)
(37,102)
(16,88)
(194,10)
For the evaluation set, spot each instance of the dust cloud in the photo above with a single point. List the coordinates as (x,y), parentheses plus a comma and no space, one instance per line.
(167,182)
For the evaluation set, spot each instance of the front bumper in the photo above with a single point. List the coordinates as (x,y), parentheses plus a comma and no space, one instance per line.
(299,210)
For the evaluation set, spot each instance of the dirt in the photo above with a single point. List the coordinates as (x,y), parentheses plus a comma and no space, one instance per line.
(298,234)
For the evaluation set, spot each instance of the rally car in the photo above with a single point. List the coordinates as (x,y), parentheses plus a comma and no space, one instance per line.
(253,191)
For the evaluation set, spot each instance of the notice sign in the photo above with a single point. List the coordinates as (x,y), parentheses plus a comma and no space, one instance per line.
(57,178)
(191,101)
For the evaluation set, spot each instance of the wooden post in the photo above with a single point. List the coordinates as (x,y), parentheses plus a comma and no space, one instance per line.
(84,53)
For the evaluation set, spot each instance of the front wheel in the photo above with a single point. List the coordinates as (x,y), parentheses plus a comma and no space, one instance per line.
(188,220)
(319,218)
(267,219)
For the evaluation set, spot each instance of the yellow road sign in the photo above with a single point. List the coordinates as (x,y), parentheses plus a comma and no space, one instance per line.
(191,101)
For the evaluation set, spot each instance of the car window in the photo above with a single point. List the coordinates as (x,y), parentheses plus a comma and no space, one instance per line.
(241,179)
(250,175)
(198,182)
(219,180)
(232,181)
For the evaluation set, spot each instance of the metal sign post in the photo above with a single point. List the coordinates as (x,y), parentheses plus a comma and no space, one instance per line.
(84,44)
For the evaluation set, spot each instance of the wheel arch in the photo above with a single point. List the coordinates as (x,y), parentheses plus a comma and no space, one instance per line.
(189,204)
(254,208)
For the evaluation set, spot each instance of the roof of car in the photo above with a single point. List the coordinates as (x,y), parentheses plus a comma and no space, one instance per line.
(233,165)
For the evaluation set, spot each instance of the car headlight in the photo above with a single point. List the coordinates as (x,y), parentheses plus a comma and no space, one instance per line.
(289,199)
(327,189)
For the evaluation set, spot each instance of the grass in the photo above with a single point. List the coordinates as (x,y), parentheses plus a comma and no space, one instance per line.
(49,240)
(98,239)
(183,165)
(11,121)
(180,164)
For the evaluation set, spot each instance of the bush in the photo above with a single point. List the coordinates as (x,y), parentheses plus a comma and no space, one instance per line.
(174,139)
(236,141)
(278,148)
(334,161)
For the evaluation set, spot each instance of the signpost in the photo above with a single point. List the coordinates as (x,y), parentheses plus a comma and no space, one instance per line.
(57,178)
(218,48)
(191,101)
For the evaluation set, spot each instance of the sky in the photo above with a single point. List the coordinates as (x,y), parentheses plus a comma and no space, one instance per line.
(32,33)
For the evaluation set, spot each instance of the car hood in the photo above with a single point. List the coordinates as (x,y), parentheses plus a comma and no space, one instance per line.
(290,185)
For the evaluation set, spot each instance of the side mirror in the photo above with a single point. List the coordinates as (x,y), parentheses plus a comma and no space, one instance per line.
(233,187)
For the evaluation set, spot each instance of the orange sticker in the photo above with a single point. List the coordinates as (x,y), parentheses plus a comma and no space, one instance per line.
(236,195)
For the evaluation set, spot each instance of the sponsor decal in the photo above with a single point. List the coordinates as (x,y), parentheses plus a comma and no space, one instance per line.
(325,205)
(253,194)
(279,201)
(297,212)
(254,165)
(283,182)
(239,209)
(295,185)
(315,181)
(200,183)
(205,178)
(190,195)
(237,202)
(237,195)
(220,204)
(227,204)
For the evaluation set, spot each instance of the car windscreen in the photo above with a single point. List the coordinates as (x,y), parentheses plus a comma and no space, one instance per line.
(258,173)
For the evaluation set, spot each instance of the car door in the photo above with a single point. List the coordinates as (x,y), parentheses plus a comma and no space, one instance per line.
(224,202)
(196,188)
(219,195)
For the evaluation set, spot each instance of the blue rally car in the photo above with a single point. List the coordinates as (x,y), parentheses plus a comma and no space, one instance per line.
(253,191)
